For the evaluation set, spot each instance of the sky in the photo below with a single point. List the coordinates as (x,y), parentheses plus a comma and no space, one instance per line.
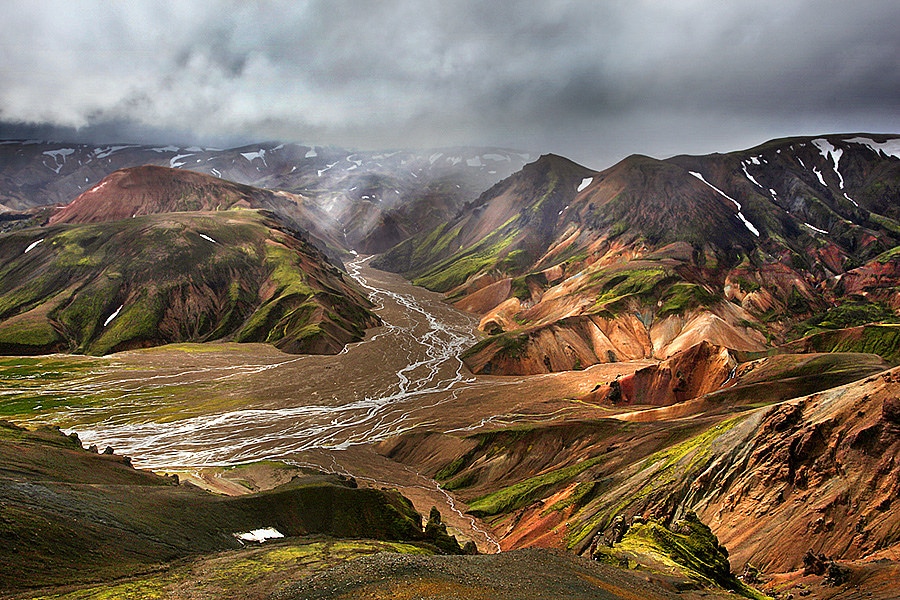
(591,80)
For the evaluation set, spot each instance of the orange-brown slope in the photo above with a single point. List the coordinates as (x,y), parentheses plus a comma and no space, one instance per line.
(820,473)
(697,371)
(815,473)
(148,190)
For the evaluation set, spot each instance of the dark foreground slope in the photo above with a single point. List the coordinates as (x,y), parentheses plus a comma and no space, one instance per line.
(77,524)
(519,575)
(71,516)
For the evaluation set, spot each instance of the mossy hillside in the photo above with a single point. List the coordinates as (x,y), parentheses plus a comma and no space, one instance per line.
(851,313)
(892,254)
(504,461)
(456,270)
(509,345)
(643,283)
(880,339)
(781,377)
(441,261)
(682,297)
(655,479)
(172,277)
(30,333)
(523,287)
(689,547)
(521,494)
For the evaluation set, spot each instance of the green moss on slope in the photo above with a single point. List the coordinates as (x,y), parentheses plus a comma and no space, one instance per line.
(688,547)
(520,494)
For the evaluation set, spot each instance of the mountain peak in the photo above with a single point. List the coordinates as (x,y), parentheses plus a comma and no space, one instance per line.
(152,189)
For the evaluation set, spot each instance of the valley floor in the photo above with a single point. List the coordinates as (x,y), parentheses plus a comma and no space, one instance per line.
(241,418)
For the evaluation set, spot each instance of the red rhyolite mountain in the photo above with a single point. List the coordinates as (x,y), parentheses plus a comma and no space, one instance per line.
(570,267)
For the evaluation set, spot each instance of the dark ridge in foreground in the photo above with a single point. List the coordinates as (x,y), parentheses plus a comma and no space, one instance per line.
(70,516)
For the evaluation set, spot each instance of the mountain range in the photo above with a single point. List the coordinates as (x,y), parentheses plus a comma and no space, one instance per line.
(760,289)
(570,267)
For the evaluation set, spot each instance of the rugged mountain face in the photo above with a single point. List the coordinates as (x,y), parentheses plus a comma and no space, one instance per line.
(815,473)
(160,278)
(570,267)
(366,201)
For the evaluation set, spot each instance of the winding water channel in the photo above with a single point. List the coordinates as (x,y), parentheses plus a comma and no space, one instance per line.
(287,404)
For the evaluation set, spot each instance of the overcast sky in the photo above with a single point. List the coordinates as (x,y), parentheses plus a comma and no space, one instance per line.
(592,80)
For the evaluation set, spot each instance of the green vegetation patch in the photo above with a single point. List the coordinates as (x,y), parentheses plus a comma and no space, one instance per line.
(457,269)
(37,385)
(689,546)
(243,573)
(882,339)
(888,256)
(644,284)
(522,493)
(687,454)
(852,313)
(509,345)
(682,297)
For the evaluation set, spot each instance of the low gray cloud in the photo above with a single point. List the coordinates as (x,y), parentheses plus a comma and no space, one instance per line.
(592,80)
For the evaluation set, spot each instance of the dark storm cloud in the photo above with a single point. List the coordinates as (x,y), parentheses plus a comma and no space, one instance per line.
(592,80)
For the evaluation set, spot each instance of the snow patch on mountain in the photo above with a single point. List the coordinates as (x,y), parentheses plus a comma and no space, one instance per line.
(166,149)
(740,215)
(814,228)
(61,153)
(251,156)
(32,246)
(818,174)
(474,162)
(259,535)
(826,149)
(584,183)
(749,176)
(173,163)
(311,153)
(113,316)
(327,167)
(889,147)
(104,152)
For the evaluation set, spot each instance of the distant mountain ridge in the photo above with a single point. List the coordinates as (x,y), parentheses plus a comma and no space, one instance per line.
(378,197)
(571,266)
